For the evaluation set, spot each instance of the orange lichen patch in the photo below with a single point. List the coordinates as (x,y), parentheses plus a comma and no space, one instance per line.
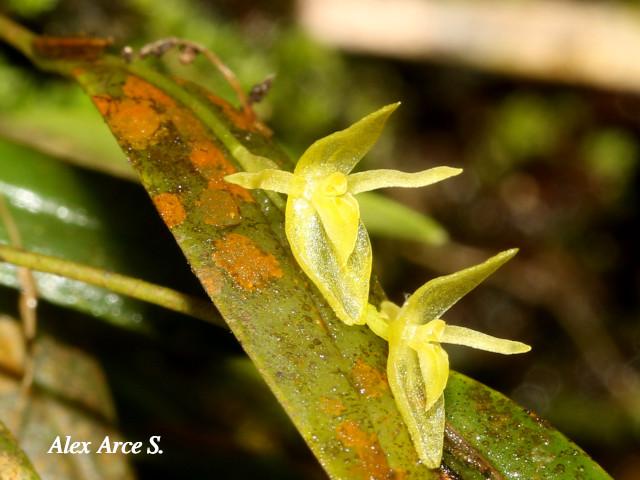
(10,466)
(373,461)
(188,125)
(102,103)
(243,260)
(332,406)
(212,164)
(211,281)
(135,122)
(209,160)
(78,71)
(243,119)
(135,87)
(218,208)
(370,381)
(235,190)
(170,208)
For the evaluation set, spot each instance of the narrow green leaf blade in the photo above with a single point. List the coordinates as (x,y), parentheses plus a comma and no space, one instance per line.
(385,217)
(59,210)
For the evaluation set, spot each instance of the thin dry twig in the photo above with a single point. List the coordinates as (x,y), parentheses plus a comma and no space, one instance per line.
(260,90)
(188,52)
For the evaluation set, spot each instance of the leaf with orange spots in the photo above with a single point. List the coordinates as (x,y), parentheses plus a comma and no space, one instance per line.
(234,241)
(327,376)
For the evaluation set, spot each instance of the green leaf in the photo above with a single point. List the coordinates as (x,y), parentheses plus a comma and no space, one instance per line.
(506,440)
(14,464)
(385,217)
(61,123)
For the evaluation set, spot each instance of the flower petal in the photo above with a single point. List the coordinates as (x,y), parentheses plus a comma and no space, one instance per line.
(342,150)
(423,416)
(374,179)
(431,442)
(377,322)
(434,367)
(267,179)
(435,297)
(471,338)
(345,286)
(341,220)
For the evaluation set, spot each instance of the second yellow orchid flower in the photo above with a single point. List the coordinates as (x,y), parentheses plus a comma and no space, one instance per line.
(322,219)
(418,367)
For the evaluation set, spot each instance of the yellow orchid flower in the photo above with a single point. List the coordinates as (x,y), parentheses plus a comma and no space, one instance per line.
(322,219)
(418,366)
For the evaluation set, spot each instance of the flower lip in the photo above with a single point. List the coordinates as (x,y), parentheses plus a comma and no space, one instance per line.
(334,185)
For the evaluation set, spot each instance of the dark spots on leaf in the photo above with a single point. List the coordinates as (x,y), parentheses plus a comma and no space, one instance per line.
(461,449)
(559,469)
(538,419)
(446,473)
(245,262)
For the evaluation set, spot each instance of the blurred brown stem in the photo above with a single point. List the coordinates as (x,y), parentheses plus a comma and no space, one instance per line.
(568,41)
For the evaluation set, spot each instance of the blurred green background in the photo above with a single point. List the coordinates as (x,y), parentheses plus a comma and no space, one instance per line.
(550,167)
